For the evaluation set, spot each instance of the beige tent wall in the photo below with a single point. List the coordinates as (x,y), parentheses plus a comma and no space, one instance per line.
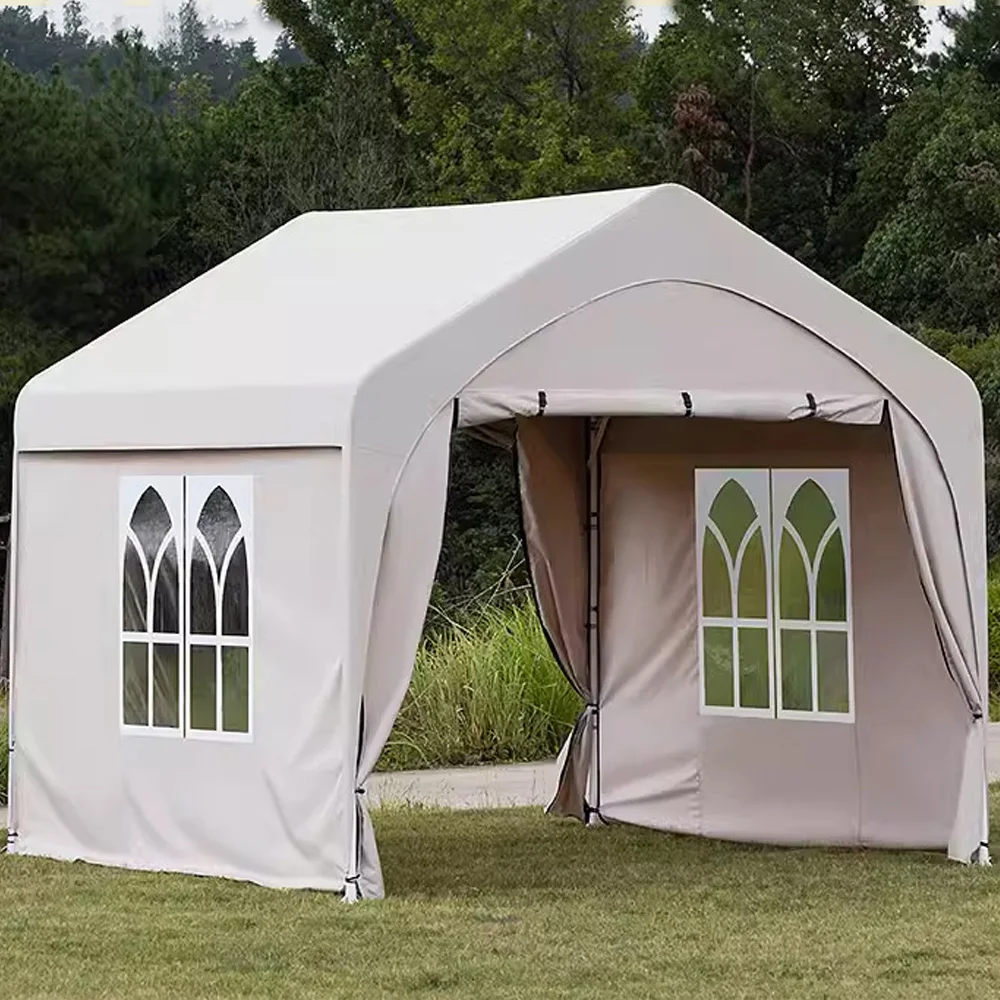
(674,336)
(552,465)
(890,779)
(682,336)
(274,810)
(409,559)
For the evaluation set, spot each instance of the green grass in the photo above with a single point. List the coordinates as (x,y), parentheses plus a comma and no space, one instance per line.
(485,689)
(513,904)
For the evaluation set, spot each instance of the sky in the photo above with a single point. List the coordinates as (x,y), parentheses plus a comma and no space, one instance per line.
(238,19)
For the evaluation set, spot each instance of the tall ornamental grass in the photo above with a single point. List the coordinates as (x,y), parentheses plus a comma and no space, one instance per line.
(993,596)
(486,690)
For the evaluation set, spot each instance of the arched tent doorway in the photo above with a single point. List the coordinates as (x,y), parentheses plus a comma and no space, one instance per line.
(610,483)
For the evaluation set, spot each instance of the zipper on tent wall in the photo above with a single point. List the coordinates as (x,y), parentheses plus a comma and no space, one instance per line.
(594,436)
(352,882)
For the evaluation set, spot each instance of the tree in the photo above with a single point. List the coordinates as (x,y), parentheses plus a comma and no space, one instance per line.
(88,196)
(934,256)
(189,50)
(74,20)
(531,100)
(801,90)
(296,139)
(975,40)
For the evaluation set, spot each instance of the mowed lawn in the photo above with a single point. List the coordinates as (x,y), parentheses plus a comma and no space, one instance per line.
(514,904)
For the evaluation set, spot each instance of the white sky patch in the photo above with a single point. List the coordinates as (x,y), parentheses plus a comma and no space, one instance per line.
(238,19)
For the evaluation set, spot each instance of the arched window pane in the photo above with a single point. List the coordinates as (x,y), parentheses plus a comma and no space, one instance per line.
(218,523)
(753,579)
(133,591)
(135,683)
(793,584)
(796,670)
(235,595)
(151,523)
(831,582)
(810,513)
(718,666)
(202,593)
(717,593)
(165,611)
(733,513)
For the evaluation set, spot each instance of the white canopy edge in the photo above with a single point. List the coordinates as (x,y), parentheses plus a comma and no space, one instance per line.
(478,407)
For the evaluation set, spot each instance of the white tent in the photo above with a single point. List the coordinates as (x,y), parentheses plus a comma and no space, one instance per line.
(754,514)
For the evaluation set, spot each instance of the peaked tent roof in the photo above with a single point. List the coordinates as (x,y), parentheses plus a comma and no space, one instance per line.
(302,338)
(326,298)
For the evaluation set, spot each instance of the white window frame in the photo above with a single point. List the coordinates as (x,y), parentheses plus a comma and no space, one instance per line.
(170,490)
(183,497)
(771,491)
(240,492)
(835,483)
(708,483)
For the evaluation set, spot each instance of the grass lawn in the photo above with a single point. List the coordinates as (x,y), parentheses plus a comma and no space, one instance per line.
(514,904)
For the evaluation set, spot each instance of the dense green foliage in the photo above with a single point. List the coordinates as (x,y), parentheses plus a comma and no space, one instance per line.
(127,168)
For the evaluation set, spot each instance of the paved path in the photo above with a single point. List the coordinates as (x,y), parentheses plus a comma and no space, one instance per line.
(499,787)
(467,787)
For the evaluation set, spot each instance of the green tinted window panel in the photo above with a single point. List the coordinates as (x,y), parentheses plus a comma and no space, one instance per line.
(752,593)
(135,684)
(755,668)
(832,672)
(793,583)
(166,686)
(717,593)
(796,670)
(831,582)
(733,512)
(810,513)
(235,689)
(203,704)
(718,675)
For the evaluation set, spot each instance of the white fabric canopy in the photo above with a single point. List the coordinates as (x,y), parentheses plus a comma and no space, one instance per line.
(368,334)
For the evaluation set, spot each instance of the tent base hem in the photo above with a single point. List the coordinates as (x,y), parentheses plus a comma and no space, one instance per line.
(335,887)
(830,844)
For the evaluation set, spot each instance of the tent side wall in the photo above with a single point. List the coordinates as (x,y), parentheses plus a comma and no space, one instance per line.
(267,805)
(891,777)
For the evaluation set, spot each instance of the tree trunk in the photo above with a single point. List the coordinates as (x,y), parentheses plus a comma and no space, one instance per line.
(751,152)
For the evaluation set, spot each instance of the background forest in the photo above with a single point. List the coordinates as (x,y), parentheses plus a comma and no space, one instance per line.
(127,167)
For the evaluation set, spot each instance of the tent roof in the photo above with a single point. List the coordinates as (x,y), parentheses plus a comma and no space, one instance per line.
(325,298)
(299,338)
